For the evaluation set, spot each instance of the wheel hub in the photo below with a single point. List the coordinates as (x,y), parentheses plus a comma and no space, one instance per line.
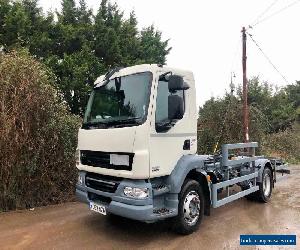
(191,208)
(267,185)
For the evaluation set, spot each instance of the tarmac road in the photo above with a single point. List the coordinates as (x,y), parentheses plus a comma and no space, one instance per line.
(73,226)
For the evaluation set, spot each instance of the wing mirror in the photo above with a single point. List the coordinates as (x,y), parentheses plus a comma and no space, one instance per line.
(176,83)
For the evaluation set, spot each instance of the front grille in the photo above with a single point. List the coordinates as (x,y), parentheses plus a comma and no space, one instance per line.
(102,183)
(102,159)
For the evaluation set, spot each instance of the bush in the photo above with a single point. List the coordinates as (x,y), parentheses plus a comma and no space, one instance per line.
(37,136)
(221,120)
(284,145)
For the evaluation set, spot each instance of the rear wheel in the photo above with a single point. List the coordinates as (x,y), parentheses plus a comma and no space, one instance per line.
(265,187)
(190,208)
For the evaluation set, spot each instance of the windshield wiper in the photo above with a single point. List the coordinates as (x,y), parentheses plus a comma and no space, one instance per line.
(128,120)
(88,125)
(120,122)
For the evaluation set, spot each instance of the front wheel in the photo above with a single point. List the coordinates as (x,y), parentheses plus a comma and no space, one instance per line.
(190,208)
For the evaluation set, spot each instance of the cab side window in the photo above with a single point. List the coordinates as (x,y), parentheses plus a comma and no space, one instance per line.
(165,106)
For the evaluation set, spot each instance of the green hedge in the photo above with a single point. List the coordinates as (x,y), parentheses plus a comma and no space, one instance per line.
(284,144)
(38,136)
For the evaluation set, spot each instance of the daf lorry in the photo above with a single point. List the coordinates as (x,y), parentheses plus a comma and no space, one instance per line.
(137,152)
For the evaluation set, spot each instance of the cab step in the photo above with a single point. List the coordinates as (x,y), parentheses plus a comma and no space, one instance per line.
(160,189)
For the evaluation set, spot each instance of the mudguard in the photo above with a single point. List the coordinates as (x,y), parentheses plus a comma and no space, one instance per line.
(261,164)
(185,164)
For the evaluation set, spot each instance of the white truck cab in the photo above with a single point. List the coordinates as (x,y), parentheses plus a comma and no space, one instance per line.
(129,114)
(137,148)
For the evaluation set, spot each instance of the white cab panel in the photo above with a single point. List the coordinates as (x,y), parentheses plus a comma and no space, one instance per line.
(166,148)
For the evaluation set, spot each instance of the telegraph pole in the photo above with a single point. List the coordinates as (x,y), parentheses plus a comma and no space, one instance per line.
(245,88)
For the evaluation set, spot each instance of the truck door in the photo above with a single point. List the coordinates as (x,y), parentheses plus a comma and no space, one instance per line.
(171,139)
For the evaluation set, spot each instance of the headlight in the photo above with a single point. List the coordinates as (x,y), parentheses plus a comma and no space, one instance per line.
(135,192)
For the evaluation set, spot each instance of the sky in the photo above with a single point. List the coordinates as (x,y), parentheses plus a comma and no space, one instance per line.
(205,37)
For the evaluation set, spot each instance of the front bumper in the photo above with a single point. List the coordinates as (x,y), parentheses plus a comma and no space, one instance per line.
(142,213)
(138,209)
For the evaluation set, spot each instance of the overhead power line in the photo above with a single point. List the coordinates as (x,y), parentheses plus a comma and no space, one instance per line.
(264,12)
(268,59)
(275,13)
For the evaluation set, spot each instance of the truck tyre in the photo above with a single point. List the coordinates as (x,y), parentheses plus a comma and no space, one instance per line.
(190,208)
(265,188)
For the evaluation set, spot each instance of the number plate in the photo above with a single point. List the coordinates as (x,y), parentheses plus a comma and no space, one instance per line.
(98,208)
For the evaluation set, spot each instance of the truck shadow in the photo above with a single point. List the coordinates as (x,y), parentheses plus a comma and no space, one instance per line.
(120,228)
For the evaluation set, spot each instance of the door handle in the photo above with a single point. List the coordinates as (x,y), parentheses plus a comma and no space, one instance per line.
(187,145)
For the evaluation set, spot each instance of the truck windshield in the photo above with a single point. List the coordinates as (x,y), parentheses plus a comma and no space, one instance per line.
(123,101)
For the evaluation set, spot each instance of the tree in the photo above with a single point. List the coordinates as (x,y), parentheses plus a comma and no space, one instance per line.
(129,41)
(152,49)
(220,121)
(293,95)
(39,27)
(76,73)
(16,26)
(107,25)
(69,12)
(33,12)
(43,40)
(79,42)
(271,111)
(84,14)
(276,106)
(5,8)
